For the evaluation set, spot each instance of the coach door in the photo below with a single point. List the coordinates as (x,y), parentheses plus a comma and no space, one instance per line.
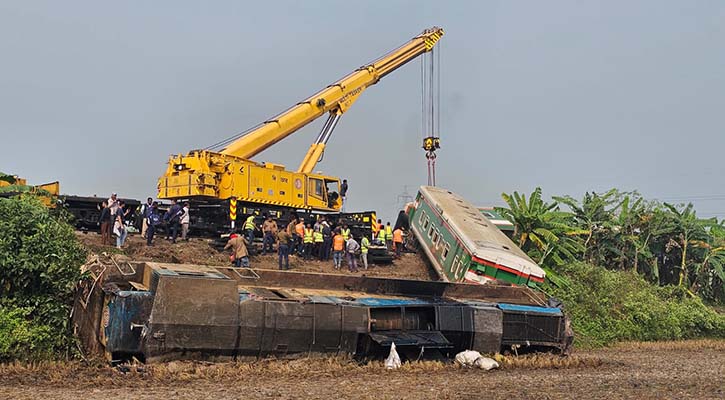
(459,266)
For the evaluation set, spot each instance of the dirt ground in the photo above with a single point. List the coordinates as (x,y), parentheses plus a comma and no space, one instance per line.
(201,251)
(665,370)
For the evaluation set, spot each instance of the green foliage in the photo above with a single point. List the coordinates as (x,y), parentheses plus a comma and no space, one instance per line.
(39,267)
(667,244)
(607,306)
(540,229)
(21,338)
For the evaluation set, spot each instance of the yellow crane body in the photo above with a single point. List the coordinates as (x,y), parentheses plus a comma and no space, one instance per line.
(217,175)
(230,172)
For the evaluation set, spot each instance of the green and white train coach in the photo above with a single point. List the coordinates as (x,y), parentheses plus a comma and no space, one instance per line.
(465,246)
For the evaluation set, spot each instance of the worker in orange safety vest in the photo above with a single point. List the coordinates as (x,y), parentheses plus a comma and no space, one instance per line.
(398,241)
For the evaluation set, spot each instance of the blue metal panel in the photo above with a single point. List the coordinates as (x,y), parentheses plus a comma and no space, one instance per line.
(124,309)
(377,302)
(534,309)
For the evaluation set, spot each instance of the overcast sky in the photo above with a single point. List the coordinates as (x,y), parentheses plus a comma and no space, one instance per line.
(571,96)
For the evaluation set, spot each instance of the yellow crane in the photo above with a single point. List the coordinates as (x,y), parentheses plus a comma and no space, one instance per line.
(230,173)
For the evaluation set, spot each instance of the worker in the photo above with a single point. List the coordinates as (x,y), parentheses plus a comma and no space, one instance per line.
(152,222)
(308,241)
(112,204)
(345,231)
(144,213)
(240,255)
(249,229)
(338,249)
(300,231)
(283,248)
(119,227)
(352,247)
(389,237)
(173,220)
(269,230)
(326,240)
(398,241)
(105,221)
(185,222)
(343,194)
(381,235)
(291,231)
(364,245)
(319,240)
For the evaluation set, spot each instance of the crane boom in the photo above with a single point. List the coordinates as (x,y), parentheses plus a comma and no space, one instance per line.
(334,99)
(206,175)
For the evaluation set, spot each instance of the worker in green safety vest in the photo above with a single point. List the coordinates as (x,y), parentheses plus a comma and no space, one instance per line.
(345,232)
(381,235)
(307,241)
(389,237)
(364,245)
(319,238)
(249,229)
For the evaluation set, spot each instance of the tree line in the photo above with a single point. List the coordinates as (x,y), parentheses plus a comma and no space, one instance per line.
(668,244)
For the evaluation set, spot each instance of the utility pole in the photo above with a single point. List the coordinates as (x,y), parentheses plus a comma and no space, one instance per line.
(404,198)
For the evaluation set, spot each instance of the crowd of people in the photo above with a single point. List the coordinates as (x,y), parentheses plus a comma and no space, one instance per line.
(114,213)
(320,240)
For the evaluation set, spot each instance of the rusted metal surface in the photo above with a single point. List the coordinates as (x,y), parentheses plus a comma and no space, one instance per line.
(388,286)
(155,311)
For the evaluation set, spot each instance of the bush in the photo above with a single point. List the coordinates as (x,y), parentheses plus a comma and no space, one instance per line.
(39,267)
(607,306)
(20,337)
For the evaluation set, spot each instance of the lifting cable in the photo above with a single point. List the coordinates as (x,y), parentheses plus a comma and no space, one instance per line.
(430,75)
(223,143)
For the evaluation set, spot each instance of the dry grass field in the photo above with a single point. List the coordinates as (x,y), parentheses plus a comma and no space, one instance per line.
(664,370)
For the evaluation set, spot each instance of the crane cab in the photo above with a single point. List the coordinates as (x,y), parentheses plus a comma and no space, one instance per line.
(323,192)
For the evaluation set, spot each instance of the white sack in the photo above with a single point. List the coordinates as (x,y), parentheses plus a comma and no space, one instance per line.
(471,358)
(393,360)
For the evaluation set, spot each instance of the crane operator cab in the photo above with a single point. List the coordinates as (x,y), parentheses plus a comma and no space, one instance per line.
(324,192)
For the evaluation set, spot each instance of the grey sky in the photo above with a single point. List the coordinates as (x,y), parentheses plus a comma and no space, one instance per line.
(567,95)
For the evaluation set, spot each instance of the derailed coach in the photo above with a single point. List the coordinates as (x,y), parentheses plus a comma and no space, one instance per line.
(155,312)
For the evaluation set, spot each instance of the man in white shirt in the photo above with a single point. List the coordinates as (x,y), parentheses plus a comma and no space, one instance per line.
(113,204)
(185,222)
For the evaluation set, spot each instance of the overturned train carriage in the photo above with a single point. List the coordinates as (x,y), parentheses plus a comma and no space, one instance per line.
(154,312)
(463,245)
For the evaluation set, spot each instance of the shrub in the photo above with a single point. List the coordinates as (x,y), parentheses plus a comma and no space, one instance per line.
(607,306)
(39,267)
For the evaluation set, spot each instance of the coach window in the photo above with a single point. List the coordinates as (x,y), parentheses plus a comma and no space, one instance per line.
(446,249)
(425,224)
(435,237)
(422,216)
(430,232)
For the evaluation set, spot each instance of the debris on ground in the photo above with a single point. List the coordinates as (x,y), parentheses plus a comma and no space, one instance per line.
(474,359)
